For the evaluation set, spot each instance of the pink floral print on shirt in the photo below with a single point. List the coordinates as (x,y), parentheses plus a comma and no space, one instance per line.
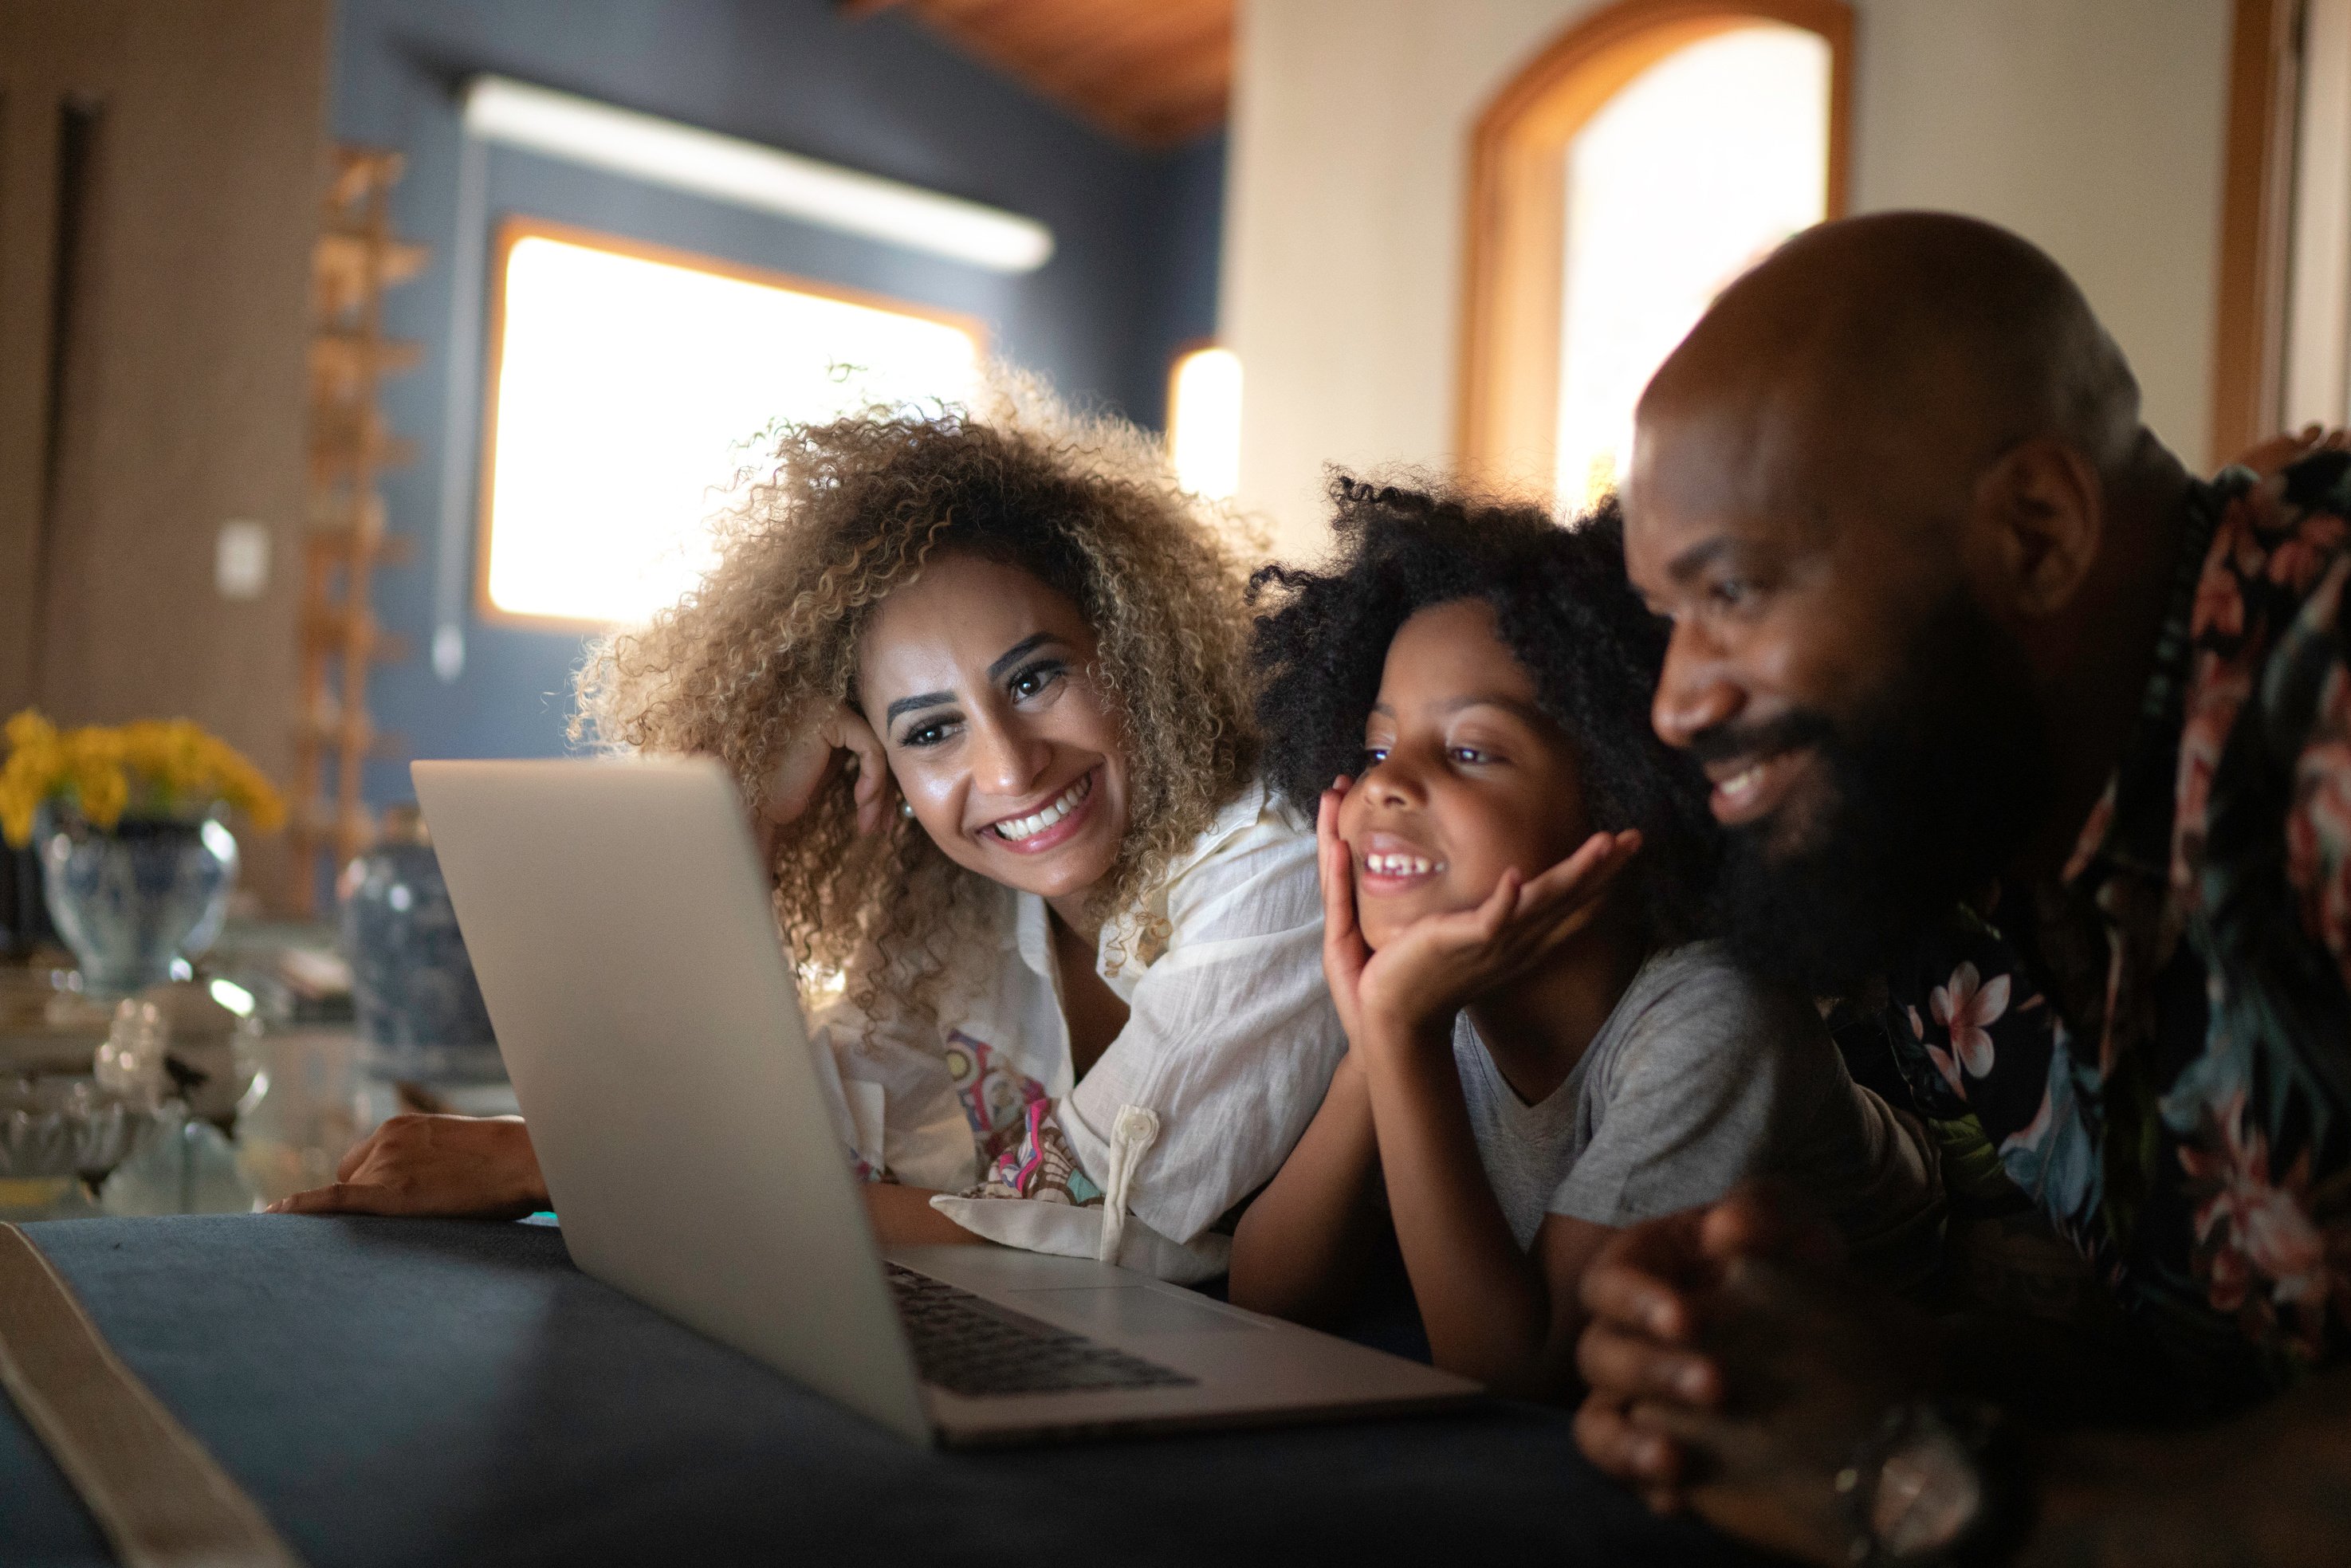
(2318,827)
(2260,1253)
(1968,1008)
(2170,1079)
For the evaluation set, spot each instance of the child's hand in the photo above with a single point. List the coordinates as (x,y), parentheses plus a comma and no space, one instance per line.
(1442,961)
(1344,953)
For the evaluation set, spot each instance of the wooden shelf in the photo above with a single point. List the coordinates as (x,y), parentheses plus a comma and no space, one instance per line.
(357,172)
(329,730)
(342,362)
(319,824)
(347,263)
(343,439)
(351,443)
(350,252)
(340,543)
(331,630)
(340,507)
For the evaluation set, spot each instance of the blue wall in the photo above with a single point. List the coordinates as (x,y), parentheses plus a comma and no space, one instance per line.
(1132,276)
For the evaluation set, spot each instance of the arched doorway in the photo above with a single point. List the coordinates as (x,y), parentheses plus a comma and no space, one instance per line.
(1642,160)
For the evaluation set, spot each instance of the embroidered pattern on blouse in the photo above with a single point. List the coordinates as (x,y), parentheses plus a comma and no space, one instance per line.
(995,1096)
(1039,1165)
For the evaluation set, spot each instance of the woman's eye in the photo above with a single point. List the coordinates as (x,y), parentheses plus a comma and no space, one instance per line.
(930,734)
(1034,679)
(1732,591)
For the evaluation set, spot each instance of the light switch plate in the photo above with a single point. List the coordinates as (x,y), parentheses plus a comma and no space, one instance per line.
(241,559)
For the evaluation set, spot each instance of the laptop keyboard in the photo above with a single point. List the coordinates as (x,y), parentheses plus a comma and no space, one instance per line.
(969,1345)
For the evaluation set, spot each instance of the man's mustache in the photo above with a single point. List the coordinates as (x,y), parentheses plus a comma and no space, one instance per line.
(1790,732)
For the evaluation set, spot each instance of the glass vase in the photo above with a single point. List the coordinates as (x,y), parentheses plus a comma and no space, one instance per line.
(420,1010)
(136,899)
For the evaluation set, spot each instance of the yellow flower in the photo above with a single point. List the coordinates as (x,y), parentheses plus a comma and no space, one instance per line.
(30,728)
(36,765)
(101,788)
(17,807)
(153,768)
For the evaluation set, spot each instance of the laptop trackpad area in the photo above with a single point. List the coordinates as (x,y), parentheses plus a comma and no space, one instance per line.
(1108,1311)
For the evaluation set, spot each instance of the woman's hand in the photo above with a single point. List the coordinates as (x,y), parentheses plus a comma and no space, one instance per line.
(472,1167)
(844,738)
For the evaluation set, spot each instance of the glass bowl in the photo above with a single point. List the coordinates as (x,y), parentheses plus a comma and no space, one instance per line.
(63,1124)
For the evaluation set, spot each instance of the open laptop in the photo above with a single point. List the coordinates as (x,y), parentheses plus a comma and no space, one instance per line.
(622,929)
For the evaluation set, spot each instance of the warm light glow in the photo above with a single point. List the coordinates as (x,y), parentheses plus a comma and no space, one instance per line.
(1204,423)
(1688,176)
(629,392)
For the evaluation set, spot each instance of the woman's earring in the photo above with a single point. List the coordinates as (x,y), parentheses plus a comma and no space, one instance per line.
(906,810)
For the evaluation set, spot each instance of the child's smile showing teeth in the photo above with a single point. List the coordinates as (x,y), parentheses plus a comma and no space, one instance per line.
(1399,865)
(1390,864)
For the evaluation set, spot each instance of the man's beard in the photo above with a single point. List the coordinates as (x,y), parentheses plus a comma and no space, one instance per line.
(1927,795)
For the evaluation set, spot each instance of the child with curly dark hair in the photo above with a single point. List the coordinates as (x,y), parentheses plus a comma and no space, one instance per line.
(1514,871)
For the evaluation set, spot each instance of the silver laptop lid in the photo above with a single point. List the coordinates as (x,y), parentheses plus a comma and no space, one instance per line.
(622,933)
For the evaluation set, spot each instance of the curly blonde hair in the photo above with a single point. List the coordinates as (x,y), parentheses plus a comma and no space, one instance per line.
(844,513)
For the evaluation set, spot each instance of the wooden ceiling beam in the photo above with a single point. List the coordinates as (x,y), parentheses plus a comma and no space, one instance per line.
(1153,71)
(1174,73)
(1137,46)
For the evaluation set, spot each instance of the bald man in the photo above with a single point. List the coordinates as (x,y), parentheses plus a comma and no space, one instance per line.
(2036,750)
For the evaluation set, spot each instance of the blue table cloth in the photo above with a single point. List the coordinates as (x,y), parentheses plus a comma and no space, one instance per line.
(411,1391)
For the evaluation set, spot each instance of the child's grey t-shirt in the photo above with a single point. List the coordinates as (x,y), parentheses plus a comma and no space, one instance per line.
(1702,1077)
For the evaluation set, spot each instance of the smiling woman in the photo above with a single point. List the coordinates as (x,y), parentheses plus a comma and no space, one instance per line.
(982,676)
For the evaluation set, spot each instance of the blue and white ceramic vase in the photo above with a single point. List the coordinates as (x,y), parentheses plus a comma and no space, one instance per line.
(137,899)
(420,1009)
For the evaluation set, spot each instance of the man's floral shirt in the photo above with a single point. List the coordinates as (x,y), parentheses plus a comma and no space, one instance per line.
(2184,1117)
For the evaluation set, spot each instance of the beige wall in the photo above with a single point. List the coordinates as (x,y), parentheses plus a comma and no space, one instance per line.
(2095,127)
(183,397)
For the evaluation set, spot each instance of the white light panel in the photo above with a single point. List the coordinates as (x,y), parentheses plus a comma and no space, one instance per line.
(729,169)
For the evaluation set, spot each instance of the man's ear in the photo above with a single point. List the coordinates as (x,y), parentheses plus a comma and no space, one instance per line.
(2040,517)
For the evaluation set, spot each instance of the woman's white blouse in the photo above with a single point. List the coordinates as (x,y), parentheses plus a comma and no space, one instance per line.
(1229,1043)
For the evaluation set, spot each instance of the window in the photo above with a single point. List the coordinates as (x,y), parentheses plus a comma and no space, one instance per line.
(629,384)
(2314,360)
(1692,173)
(1204,421)
(1646,159)
(2279,350)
